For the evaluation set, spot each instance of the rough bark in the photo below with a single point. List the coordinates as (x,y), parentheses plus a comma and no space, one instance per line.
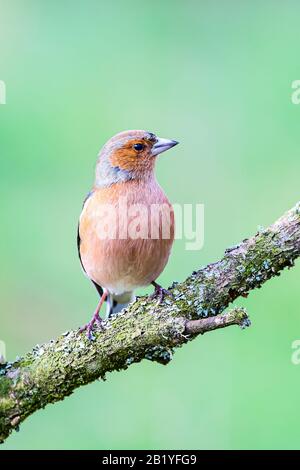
(146,330)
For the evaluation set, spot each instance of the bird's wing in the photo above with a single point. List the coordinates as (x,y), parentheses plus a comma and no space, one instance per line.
(99,288)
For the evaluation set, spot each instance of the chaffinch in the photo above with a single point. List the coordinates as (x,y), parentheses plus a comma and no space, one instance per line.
(123,243)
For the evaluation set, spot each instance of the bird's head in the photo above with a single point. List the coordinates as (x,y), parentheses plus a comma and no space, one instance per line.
(129,155)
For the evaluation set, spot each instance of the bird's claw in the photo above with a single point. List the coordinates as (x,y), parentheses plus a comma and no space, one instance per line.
(95,319)
(160,293)
(90,325)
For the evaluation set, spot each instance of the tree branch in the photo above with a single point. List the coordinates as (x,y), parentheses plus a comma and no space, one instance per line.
(147,330)
(236,316)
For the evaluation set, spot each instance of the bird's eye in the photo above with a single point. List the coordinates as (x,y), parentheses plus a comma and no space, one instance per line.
(138,147)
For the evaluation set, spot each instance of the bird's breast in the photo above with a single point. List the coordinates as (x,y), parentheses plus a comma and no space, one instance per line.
(126,233)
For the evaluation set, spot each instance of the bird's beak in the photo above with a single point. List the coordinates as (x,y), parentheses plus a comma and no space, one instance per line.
(162,145)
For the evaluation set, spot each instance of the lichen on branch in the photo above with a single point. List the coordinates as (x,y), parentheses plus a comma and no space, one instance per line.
(146,330)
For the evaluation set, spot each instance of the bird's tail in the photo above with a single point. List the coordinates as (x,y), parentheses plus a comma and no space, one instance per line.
(115,303)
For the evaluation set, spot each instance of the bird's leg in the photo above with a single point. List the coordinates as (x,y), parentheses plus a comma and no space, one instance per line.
(96,317)
(159,292)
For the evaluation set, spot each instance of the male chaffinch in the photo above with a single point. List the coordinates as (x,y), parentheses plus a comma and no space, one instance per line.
(121,245)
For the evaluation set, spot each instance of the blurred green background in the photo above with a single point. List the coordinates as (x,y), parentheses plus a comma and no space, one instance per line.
(217,77)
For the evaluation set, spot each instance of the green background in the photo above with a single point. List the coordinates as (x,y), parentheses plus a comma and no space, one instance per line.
(215,75)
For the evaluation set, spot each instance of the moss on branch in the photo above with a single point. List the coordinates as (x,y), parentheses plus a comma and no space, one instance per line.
(145,330)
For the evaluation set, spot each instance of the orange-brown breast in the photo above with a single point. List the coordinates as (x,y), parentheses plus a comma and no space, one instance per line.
(126,232)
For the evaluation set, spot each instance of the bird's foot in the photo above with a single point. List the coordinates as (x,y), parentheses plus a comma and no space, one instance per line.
(95,318)
(159,293)
(90,325)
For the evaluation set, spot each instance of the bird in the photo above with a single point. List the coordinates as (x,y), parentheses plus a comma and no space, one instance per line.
(122,246)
